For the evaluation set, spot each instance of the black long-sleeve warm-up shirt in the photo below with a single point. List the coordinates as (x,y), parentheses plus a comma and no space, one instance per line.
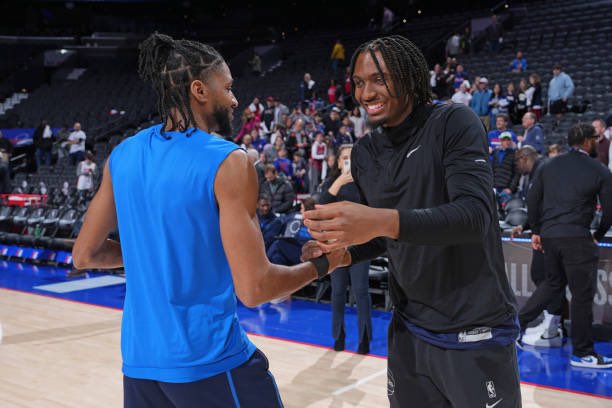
(562,199)
(447,267)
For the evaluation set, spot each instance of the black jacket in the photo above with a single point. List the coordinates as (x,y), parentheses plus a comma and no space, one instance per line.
(281,195)
(562,199)
(447,267)
(505,174)
(348,192)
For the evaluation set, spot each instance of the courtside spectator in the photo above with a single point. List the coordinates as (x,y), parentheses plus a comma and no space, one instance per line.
(278,189)
(560,89)
(271,224)
(519,64)
(505,175)
(480,101)
(533,135)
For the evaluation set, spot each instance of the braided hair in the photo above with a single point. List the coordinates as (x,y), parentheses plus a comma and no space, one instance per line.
(407,66)
(171,66)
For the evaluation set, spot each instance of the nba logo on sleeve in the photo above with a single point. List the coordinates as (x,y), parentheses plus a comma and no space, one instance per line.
(491,389)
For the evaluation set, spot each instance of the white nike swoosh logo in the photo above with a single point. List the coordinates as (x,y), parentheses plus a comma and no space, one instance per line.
(492,405)
(480,161)
(412,151)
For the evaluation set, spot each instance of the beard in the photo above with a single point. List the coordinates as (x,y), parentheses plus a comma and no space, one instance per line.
(222,119)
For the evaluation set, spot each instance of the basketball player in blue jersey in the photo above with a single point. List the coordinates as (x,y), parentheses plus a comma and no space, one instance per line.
(184,202)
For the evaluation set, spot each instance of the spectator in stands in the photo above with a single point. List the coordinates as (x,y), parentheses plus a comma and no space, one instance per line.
(6,150)
(560,89)
(300,173)
(501,128)
(257,108)
(497,104)
(337,56)
(317,158)
(453,45)
(511,100)
(286,250)
(534,135)
(519,64)
(534,95)
(61,137)
(528,163)
(480,102)
(332,92)
(505,176)
(267,116)
(271,224)
(339,186)
(87,171)
(76,140)
(460,76)
(333,121)
(307,88)
(521,99)
(249,122)
(358,121)
(561,220)
(43,142)
(495,34)
(553,151)
(280,109)
(438,82)
(603,144)
(247,142)
(462,95)
(279,190)
(343,137)
(255,64)
(283,164)
(257,140)
(257,159)
(466,40)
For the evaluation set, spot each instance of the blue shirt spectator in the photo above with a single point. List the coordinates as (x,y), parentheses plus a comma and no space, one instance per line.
(501,128)
(283,164)
(561,86)
(519,64)
(480,99)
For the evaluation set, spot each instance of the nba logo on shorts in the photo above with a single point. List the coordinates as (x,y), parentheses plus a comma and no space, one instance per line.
(491,389)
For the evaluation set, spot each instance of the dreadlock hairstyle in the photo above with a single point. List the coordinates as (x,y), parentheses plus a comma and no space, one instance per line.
(407,66)
(171,65)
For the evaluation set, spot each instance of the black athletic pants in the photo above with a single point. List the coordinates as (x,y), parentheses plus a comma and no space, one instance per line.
(573,262)
(246,386)
(423,375)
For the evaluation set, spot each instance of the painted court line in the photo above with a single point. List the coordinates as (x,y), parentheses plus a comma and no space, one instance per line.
(81,284)
(357,384)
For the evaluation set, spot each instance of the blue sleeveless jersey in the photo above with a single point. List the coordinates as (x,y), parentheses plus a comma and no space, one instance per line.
(179,318)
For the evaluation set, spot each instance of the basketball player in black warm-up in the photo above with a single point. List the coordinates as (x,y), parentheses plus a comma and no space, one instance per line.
(425,176)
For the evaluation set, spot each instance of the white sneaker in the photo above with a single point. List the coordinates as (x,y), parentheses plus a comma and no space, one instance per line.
(592,361)
(545,339)
(545,324)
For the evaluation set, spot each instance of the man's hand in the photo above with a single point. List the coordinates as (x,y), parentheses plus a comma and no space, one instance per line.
(340,225)
(516,231)
(536,243)
(337,259)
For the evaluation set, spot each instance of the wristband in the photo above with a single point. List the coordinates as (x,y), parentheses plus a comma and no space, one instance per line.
(321,264)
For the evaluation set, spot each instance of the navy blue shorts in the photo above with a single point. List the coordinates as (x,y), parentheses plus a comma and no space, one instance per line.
(249,385)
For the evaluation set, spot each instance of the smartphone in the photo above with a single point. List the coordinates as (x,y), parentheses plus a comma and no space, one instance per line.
(347,166)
